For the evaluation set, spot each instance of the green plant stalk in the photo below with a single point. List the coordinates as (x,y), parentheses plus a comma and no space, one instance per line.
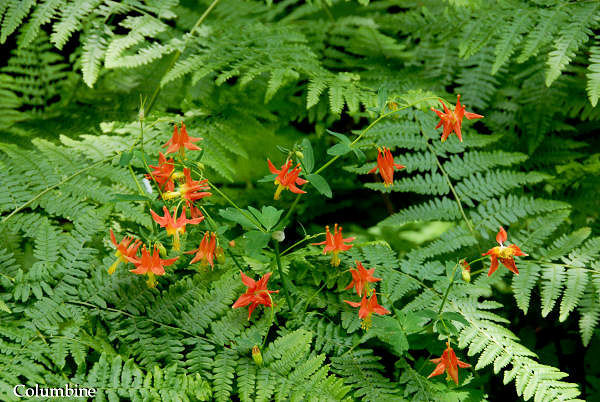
(285,252)
(178,54)
(272,319)
(448,288)
(284,278)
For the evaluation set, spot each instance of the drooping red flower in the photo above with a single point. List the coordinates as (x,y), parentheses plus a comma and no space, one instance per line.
(449,363)
(150,265)
(452,120)
(174,226)
(361,278)
(286,179)
(125,248)
(206,251)
(367,308)
(163,173)
(386,166)
(257,293)
(180,141)
(190,190)
(504,253)
(335,244)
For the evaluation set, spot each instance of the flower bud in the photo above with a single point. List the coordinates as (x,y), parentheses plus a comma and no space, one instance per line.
(466,270)
(141,113)
(161,249)
(232,243)
(200,165)
(220,254)
(299,155)
(278,236)
(392,105)
(257,356)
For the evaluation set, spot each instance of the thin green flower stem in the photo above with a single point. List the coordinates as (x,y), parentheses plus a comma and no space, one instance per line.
(284,278)
(233,204)
(366,130)
(285,252)
(272,318)
(307,301)
(448,288)
(479,259)
(456,197)
(178,54)
(213,224)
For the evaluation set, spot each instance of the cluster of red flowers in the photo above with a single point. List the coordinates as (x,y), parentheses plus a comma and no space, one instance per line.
(361,278)
(190,191)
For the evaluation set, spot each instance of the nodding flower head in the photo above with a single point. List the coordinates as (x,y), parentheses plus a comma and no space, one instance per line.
(452,120)
(335,243)
(504,254)
(287,179)
(386,166)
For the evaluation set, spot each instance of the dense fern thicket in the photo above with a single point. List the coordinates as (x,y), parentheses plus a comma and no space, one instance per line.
(90,90)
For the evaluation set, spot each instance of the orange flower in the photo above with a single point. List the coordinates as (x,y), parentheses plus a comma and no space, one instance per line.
(257,293)
(150,265)
(181,140)
(504,254)
(448,362)
(124,249)
(386,166)
(175,226)
(287,179)
(163,173)
(335,243)
(361,278)
(452,120)
(367,308)
(190,190)
(206,251)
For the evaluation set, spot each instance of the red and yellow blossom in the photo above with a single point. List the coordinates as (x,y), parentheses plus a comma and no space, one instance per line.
(257,293)
(150,265)
(361,278)
(205,253)
(504,253)
(452,120)
(386,166)
(449,363)
(190,190)
(286,179)
(367,308)
(174,226)
(163,173)
(180,141)
(125,248)
(335,243)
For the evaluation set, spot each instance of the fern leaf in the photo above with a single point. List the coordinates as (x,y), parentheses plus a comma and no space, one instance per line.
(94,48)
(16,11)
(593,74)
(510,36)
(577,280)
(71,20)
(42,14)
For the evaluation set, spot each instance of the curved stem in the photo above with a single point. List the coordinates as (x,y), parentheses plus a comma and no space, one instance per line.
(448,289)
(272,319)
(284,278)
(284,252)
(178,54)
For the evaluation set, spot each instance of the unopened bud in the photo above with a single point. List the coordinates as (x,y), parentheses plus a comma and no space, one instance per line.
(200,165)
(257,356)
(141,113)
(161,249)
(392,105)
(278,236)
(220,254)
(466,270)
(232,243)
(299,155)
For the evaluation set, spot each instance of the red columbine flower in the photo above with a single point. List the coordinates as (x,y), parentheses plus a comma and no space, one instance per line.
(386,166)
(257,293)
(206,251)
(190,190)
(174,225)
(124,249)
(163,173)
(367,308)
(287,179)
(335,243)
(181,140)
(448,362)
(452,120)
(150,265)
(504,254)
(361,278)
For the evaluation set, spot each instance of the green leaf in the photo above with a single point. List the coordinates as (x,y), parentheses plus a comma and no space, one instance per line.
(339,149)
(4,307)
(342,137)
(270,216)
(320,184)
(237,216)
(256,241)
(453,316)
(308,162)
(389,330)
(125,158)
